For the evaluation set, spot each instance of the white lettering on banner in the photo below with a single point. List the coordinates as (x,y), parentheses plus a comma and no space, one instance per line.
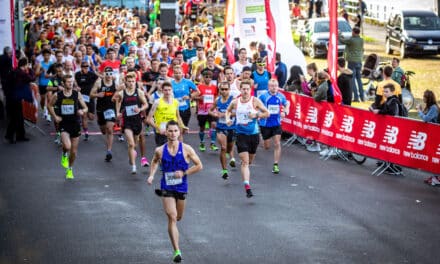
(328,120)
(312,128)
(347,124)
(345,137)
(367,143)
(297,124)
(368,129)
(415,155)
(435,160)
(390,136)
(298,111)
(327,133)
(312,115)
(417,140)
(389,149)
(438,150)
(287,120)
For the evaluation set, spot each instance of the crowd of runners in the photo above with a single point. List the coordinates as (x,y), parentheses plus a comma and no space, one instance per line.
(100,64)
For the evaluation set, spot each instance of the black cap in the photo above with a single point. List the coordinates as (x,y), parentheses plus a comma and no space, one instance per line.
(108,69)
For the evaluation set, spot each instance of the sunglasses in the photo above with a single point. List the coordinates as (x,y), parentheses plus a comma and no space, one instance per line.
(224,89)
(207,76)
(84,66)
(261,64)
(108,73)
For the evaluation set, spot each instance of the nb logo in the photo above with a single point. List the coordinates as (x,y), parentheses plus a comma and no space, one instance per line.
(328,121)
(368,129)
(417,140)
(312,115)
(347,124)
(391,133)
(298,111)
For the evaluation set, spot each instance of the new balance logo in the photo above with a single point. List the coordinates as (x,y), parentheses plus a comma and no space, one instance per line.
(347,124)
(417,140)
(298,111)
(368,129)
(312,115)
(391,133)
(328,121)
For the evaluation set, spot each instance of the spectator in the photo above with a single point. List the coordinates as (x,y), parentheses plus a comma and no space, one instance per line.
(22,77)
(280,70)
(380,99)
(320,93)
(431,111)
(345,83)
(5,74)
(296,81)
(398,74)
(354,52)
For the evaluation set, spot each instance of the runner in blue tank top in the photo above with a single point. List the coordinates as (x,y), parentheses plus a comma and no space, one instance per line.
(278,108)
(174,158)
(225,133)
(247,110)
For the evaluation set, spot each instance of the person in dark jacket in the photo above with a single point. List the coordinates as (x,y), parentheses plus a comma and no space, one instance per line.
(280,70)
(22,77)
(345,82)
(391,106)
(5,74)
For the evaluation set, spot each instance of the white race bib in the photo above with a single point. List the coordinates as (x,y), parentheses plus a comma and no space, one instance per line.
(109,114)
(67,109)
(273,109)
(208,98)
(243,118)
(86,98)
(182,102)
(129,110)
(170,179)
(222,120)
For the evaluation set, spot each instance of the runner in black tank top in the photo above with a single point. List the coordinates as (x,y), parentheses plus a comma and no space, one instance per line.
(129,104)
(104,90)
(70,107)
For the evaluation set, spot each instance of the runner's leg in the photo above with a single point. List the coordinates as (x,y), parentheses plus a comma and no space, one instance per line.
(170,207)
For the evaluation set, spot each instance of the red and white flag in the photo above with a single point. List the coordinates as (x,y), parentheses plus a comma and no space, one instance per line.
(271,38)
(230,29)
(332,55)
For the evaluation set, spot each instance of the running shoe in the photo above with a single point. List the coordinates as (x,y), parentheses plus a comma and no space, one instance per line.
(249,193)
(108,156)
(275,169)
(214,147)
(69,174)
(121,138)
(177,258)
(86,137)
(144,162)
(225,175)
(202,147)
(133,169)
(435,181)
(232,163)
(64,161)
(57,139)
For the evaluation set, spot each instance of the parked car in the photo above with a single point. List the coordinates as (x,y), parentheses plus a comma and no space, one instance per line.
(315,33)
(413,32)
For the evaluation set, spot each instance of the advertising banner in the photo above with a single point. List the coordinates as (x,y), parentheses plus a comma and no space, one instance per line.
(30,109)
(407,142)
(6,18)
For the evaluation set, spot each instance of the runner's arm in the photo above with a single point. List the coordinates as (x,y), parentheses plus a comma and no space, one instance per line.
(212,111)
(143,100)
(150,119)
(154,164)
(228,113)
(84,108)
(191,155)
(50,106)
(263,112)
(94,91)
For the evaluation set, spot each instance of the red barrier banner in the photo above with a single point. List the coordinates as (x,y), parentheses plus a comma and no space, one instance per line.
(407,142)
(30,109)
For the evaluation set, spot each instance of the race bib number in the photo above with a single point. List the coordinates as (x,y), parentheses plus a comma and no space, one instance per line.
(170,179)
(273,109)
(243,119)
(67,109)
(86,98)
(182,102)
(109,114)
(208,98)
(130,110)
(222,120)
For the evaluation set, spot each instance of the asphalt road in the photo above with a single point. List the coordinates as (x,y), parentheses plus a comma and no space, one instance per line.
(313,212)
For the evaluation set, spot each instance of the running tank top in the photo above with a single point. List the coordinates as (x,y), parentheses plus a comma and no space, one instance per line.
(106,103)
(262,80)
(67,106)
(222,107)
(244,124)
(129,103)
(165,112)
(170,164)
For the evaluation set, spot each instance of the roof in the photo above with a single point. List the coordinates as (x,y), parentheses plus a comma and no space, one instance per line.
(418,13)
